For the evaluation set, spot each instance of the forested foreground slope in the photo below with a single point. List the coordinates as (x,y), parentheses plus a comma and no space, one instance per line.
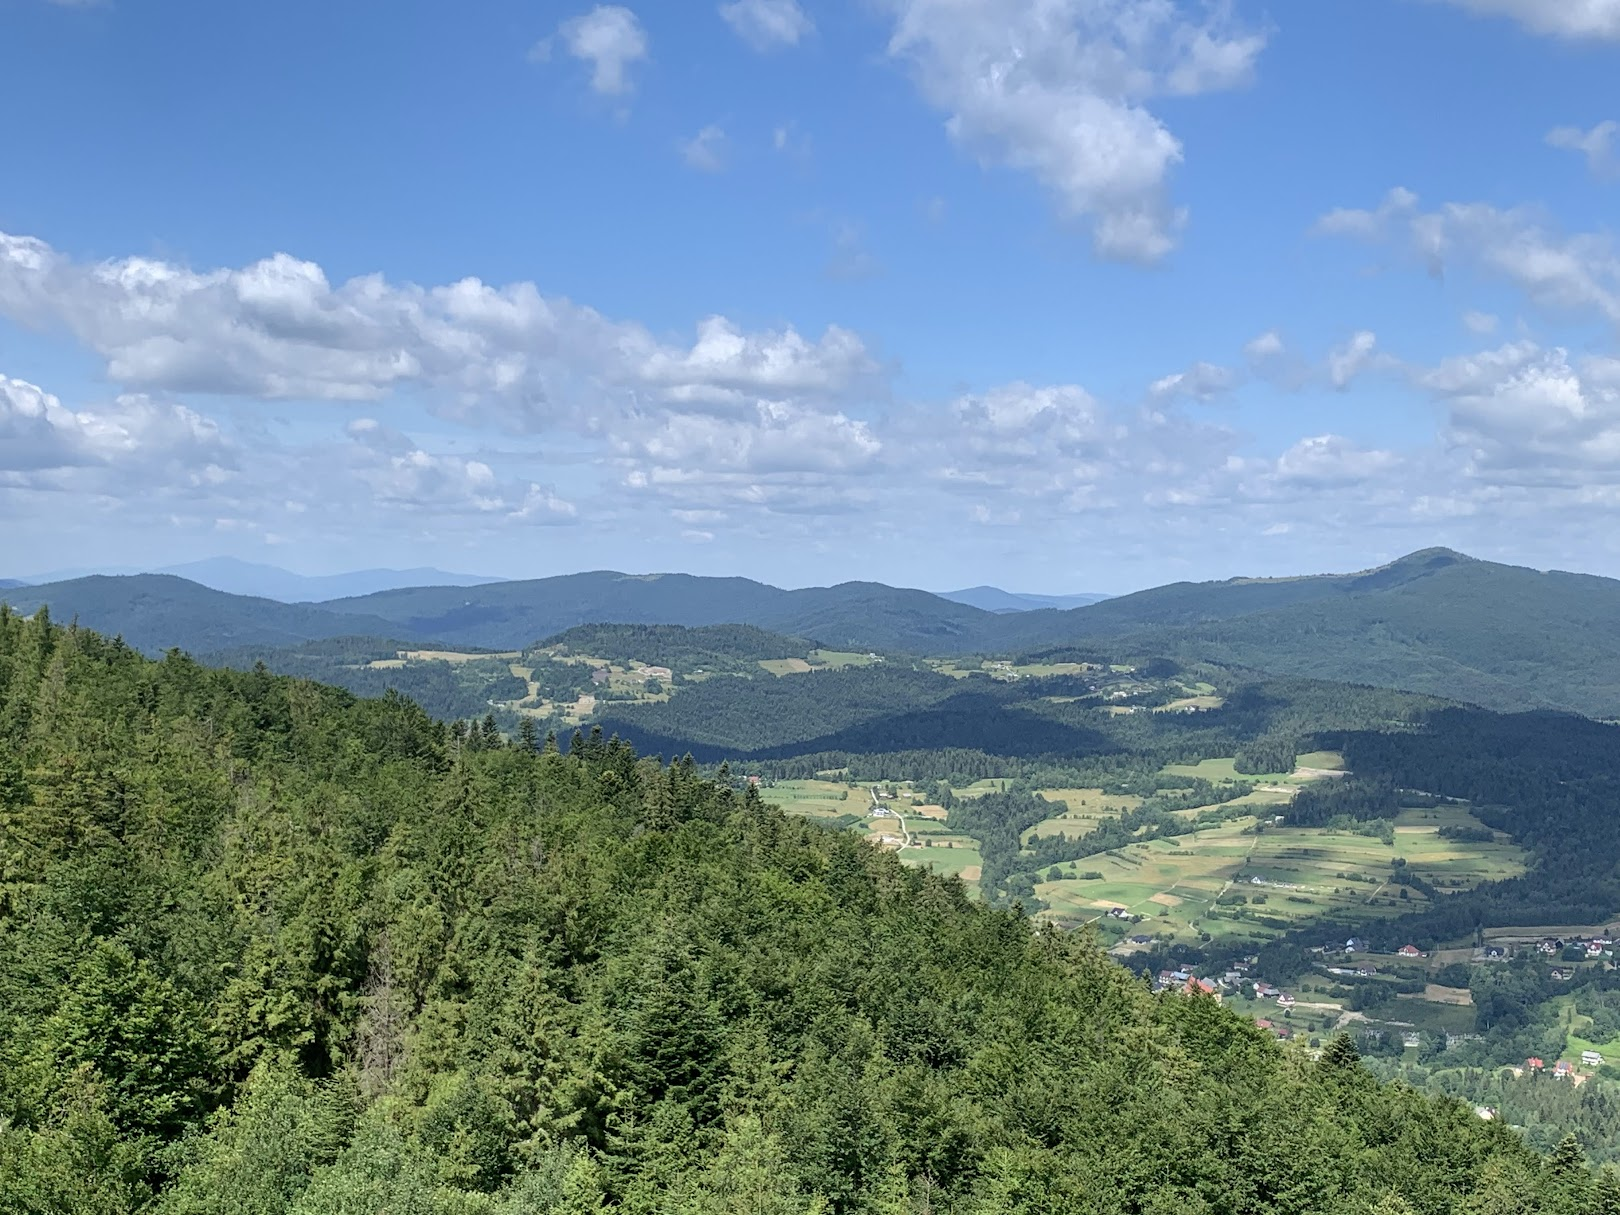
(267,948)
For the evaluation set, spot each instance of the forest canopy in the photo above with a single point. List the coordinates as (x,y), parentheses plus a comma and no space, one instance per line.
(266,947)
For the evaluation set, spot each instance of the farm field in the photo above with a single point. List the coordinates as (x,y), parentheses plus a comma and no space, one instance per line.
(455,655)
(785,666)
(1307,767)
(1273,880)
(1080,810)
(838,659)
(940,849)
(817,798)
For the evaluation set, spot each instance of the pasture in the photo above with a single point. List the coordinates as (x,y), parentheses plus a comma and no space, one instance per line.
(785,666)
(1080,810)
(1312,766)
(816,798)
(838,659)
(1272,880)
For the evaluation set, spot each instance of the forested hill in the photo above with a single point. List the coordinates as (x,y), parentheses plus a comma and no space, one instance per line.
(715,647)
(157,612)
(267,949)
(863,615)
(1500,636)
(1435,622)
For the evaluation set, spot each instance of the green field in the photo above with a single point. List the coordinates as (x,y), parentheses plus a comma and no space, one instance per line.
(840,658)
(785,666)
(1079,810)
(817,798)
(936,846)
(1286,875)
(1218,770)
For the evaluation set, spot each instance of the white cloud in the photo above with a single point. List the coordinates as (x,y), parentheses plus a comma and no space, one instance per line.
(1482,323)
(1349,360)
(1059,89)
(767,25)
(1200,382)
(777,459)
(402,475)
(611,39)
(1579,272)
(1268,345)
(1597,145)
(1332,460)
(131,435)
(1521,411)
(705,151)
(1595,20)
(278,329)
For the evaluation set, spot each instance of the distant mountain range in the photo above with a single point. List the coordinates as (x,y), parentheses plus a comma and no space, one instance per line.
(994,599)
(1436,622)
(271,582)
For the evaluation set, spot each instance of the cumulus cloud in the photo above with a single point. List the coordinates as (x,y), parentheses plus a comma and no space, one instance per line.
(1523,410)
(1347,361)
(1578,20)
(402,475)
(1269,345)
(1597,145)
(705,151)
(1200,382)
(778,458)
(767,25)
(1327,460)
(133,435)
(1060,89)
(1578,273)
(279,329)
(610,38)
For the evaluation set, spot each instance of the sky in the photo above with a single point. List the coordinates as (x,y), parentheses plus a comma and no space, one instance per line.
(1059,295)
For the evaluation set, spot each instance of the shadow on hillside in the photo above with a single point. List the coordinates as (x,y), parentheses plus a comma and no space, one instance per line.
(973,722)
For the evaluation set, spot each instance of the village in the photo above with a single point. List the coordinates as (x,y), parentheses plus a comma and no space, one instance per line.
(1356,960)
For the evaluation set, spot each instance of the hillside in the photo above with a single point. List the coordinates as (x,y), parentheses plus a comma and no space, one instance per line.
(994,599)
(864,615)
(1436,622)
(271,582)
(686,651)
(1190,603)
(346,961)
(156,612)
(1500,636)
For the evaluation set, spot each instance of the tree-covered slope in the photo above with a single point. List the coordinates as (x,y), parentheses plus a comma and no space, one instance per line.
(854,614)
(1499,636)
(685,650)
(1436,622)
(157,612)
(268,949)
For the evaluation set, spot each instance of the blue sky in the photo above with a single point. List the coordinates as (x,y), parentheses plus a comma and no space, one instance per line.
(1058,294)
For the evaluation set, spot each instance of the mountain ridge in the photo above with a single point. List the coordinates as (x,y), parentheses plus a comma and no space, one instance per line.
(1435,621)
(994,599)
